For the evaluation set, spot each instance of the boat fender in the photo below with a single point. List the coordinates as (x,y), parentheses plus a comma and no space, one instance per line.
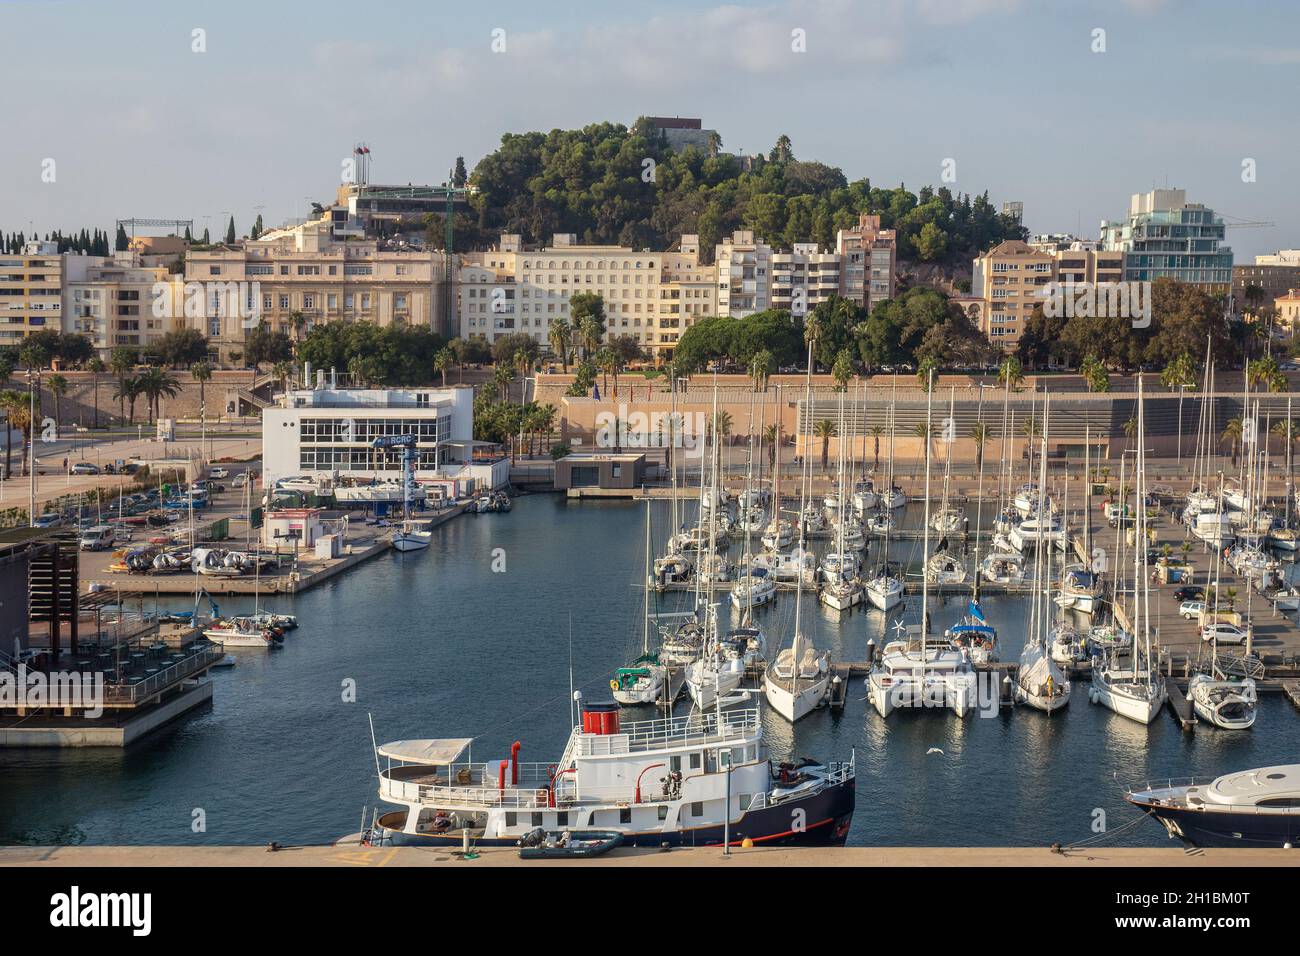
(613,684)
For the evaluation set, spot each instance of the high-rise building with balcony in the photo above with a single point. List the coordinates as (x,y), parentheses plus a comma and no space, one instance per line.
(867,259)
(1165,236)
(31,290)
(804,277)
(744,266)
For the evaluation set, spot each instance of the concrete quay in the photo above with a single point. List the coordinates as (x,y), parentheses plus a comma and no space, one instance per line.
(353,855)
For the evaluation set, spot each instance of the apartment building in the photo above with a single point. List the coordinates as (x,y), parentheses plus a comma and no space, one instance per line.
(868,255)
(1010,280)
(1288,311)
(1275,274)
(304,270)
(31,290)
(121,300)
(804,277)
(648,296)
(744,266)
(1165,236)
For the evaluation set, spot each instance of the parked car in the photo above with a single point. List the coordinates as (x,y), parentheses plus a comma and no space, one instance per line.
(240,480)
(51,520)
(97,538)
(84,468)
(1189,593)
(1223,633)
(219,472)
(1191,609)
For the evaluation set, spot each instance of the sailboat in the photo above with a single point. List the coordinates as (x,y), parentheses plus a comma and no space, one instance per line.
(796,683)
(412,535)
(718,670)
(841,589)
(883,589)
(1137,691)
(642,681)
(917,669)
(1039,680)
(754,586)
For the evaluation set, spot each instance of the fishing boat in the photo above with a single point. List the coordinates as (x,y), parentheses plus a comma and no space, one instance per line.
(243,632)
(1247,808)
(665,782)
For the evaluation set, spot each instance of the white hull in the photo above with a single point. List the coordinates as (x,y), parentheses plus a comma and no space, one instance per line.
(1229,705)
(1135,706)
(745,596)
(884,596)
(793,706)
(706,683)
(412,542)
(841,599)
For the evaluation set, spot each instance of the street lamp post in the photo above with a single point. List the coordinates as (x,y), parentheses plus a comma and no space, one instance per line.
(31,448)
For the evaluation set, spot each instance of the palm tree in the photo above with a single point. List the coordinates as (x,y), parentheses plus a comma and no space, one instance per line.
(922,431)
(760,368)
(1232,433)
(282,370)
(590,333)
(607,361)
(126,392)
(297,321)
(825,430)
(501,379)
(1010,372)
(560,335)
(96,367)
(842,370)
(122,361)
(876,431)
(18,413)
(770,436)
(812,334)
(442,362)
(202,373)
(980,432)
(58,386)
(155,385)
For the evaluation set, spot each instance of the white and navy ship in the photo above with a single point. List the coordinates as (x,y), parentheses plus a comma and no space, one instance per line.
(656,782)
(1249,808)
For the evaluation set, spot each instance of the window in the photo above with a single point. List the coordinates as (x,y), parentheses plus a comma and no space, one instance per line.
(697,809)
(512,819)
(537,819)
(695,761)
(663,811)
(625,815)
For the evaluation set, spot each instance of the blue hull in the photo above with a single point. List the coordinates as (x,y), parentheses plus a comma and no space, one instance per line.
(824,821)
(1221,829)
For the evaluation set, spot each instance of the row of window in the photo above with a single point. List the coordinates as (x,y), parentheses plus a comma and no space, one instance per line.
(366,430)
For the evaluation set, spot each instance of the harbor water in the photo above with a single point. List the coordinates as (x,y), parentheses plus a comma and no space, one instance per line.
(482,634)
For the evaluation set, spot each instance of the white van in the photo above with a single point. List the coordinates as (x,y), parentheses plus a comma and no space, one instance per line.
(98,538)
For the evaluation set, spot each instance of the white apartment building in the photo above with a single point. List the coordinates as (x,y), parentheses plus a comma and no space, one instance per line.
(744,267)
(649,296)
(803,278)
(31,290)
(327,433)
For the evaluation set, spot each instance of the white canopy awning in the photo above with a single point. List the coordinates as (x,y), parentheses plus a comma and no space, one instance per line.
(430,752)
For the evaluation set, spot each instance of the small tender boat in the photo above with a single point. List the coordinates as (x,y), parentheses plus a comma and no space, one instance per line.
(538,844)
(243,632)
(413,536)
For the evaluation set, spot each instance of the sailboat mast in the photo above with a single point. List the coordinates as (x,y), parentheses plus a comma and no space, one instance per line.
(925,534)
(645,623)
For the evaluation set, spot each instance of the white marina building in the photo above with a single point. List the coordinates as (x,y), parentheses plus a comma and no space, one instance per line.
(327,434)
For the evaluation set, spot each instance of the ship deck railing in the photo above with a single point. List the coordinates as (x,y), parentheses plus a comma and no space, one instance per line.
(670,731)
(1160,792)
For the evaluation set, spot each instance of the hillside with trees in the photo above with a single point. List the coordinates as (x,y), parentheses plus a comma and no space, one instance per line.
(595,182)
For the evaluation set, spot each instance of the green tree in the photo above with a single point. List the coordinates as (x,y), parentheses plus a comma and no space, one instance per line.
(201,372)
(1010,372)
(1232,433)
(560,336)
(442,362)
(96,367)
(843,369)
(122,362)
(825,430)
(155,384)
(1095,374)
(58,386)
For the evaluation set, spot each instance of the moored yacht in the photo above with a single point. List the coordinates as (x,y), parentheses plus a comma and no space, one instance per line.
(1224,702)
(1248,808)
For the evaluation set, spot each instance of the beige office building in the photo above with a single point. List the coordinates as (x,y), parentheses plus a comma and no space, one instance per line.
(1288,311)
(304,270)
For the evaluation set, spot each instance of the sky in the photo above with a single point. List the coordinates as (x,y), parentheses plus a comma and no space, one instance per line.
(142,116)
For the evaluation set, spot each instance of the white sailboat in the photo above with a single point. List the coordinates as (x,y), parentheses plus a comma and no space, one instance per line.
(918,671)
(1040,683)
(796,683)
(642,681)
(1136,691)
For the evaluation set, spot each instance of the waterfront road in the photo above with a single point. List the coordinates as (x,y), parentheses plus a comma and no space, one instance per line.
(353,855)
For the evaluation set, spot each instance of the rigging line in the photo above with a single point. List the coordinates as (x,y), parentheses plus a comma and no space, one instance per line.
(1100,838)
